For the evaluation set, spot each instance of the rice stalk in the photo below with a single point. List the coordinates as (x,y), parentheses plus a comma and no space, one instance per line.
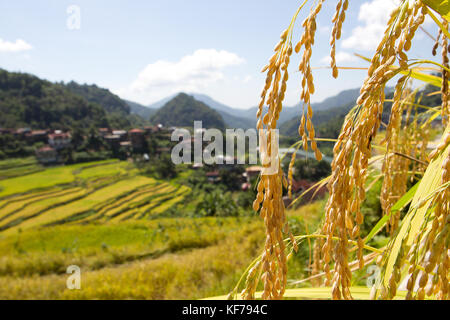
(418,247)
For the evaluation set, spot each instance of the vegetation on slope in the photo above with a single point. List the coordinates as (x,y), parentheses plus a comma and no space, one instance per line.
(26,100)
(183,110)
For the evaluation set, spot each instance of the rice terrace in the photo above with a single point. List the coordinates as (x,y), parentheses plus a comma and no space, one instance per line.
(328,179)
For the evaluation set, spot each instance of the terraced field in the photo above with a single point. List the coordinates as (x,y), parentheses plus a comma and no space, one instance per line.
(116,225)
(18,167)
(97,192)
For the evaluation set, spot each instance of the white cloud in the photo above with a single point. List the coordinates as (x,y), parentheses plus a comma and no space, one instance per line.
(17,46)
(341,57)
(191,73)
(374,16)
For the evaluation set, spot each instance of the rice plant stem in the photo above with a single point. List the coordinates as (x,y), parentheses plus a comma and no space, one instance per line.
(410,158)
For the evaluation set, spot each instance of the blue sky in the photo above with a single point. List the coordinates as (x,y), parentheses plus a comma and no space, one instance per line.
(147,50)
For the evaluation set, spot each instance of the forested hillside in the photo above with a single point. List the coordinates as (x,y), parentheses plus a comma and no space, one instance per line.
(119,111)
(183,110)
(26,100)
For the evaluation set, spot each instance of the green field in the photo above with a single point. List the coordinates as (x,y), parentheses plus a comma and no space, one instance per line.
(116,225)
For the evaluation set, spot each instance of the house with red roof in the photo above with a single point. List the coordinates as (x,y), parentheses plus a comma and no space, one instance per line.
(59,140)
(47,155)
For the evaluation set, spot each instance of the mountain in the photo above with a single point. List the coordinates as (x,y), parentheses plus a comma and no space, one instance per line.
(235,122)
(183,110)
(140,110)
(119,111)
(327,123)
(213,103)
(343,98)
(26,100)
(228,114)
(162,102)
(92,93)
(245,119)
(329,115)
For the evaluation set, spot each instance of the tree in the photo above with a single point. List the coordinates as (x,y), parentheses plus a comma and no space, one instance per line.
(77,137)
(94,141)
(160,167)
(311,169)
(231,178)
(217,203)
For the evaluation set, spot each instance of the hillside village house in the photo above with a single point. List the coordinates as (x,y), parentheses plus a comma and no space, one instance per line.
(213,176)
(47,155)
(113,140)
(22,131)
(152,129)
(137,138)
(252,172)
(6,131)
(103,132)
(126,147)
(122,134)
(36,136)
(149,129)
(59,139)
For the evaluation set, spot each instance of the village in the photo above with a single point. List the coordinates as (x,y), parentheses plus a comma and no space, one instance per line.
(146,143)
(131,141)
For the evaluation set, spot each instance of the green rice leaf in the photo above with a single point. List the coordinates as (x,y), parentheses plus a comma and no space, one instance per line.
(430,79)
(415,217)
(440,6)
(399,205)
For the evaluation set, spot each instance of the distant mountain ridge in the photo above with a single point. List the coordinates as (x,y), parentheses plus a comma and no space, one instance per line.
(183,110)
(140,110)
(231,116)
(342,98)
(162,102)
(328,115)
(322,117)
(246,118)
